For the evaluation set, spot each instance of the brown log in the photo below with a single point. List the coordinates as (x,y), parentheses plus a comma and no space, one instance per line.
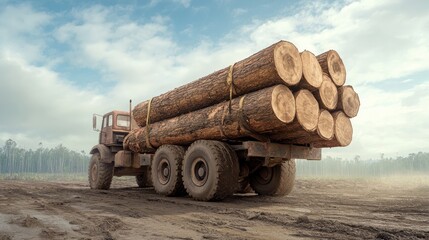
(325,130)
(307,114)
(343,132)
(266,109)
(348,101)
(311,72)
(327,94)
(333,65)
(278,64)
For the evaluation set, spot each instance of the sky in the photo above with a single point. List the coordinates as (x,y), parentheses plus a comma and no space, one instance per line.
(62,61)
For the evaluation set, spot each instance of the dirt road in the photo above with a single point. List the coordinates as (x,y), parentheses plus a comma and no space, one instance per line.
(341,209)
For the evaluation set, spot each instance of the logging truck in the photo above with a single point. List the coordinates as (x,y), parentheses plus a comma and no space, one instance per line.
(237,129)
(206,169)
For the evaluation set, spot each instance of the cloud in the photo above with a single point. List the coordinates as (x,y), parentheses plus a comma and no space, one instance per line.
(19,23)
(37,105)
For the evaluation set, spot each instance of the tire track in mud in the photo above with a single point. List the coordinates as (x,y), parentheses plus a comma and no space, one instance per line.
(305,226)
(55,201)
(130,212)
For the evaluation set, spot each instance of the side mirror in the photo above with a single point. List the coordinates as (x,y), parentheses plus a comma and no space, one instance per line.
(94,123)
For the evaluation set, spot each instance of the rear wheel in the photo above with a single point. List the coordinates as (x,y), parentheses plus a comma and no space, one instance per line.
(166,170)
(145,179)
(274,181)
(210,170)
(100,174)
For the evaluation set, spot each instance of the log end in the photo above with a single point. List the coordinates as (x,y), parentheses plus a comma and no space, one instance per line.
(336,68)
(311,70)
(307,110)
(349,101)
(288,63)
(139,113)
(325,126)
(283,103)
(343,129)
(328,93)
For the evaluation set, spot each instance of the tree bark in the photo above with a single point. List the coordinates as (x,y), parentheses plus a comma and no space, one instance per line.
(333,65)
(278,64)
(348,101)
(343,132)
(327,94)
(265,109)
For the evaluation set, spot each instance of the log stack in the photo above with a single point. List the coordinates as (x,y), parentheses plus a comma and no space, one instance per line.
(278,94)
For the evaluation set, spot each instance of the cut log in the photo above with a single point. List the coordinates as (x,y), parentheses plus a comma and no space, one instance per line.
(265,109)
(311,72)
(305,122)
(278,64)
(307,111)
(325,130)
(343,132)
(333,65)
(348,101)
(327,94)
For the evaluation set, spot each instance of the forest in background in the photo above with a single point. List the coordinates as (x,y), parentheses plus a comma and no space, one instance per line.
(16,161)
(58,161)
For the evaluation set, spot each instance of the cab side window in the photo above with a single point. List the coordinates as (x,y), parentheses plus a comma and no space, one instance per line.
(104,122)
(110,120)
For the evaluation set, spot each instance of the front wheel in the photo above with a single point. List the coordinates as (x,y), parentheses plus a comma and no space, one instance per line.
(100,174)
(274,181)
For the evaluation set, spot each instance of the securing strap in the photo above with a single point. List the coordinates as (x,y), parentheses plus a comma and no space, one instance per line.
(230,82)
(245,125)
(148,145)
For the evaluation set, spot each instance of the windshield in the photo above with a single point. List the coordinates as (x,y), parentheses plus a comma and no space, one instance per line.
(123,121)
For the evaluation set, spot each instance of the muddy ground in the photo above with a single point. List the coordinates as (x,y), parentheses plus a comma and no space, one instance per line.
(316,209)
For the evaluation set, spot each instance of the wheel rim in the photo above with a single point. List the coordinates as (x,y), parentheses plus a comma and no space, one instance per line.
(199,172)
(264,175)
(164,171)
(94,170)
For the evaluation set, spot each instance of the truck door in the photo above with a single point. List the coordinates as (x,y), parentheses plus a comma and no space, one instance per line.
(106,130)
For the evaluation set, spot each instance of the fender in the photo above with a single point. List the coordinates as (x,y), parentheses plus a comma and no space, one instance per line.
(106,155)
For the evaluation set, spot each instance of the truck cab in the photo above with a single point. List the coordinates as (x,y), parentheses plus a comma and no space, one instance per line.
(109,157)
(115,125)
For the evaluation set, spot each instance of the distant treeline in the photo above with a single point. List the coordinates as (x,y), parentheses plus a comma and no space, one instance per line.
(414,163)
(59,159)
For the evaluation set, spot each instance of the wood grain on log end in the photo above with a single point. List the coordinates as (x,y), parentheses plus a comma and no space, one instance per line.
(327,95)
(283,103)
(343,132)
(332,64)
(311,70)
(325,126)
(343,129)
(348,101)
(288,62)
(307,110)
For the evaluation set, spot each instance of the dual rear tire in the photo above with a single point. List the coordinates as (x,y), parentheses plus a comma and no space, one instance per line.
(274,181)
(209,171)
